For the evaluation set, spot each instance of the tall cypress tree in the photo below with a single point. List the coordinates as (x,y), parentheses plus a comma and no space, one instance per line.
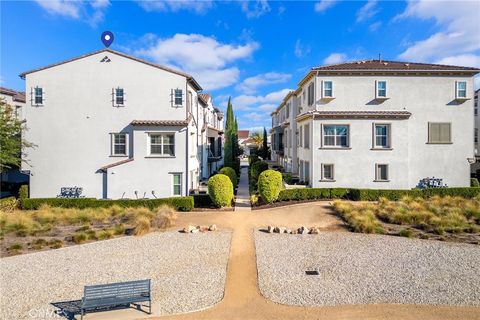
(229,129)
(265,145)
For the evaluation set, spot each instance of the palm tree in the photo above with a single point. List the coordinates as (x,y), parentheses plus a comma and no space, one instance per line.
(257,139)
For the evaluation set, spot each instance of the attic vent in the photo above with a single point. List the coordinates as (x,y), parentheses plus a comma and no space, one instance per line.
(385,63)
(407,64)
(105,59)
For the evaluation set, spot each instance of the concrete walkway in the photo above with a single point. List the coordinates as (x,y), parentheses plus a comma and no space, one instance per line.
(242,201)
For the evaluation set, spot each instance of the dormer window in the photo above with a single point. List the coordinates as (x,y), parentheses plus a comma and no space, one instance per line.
(119,97)
(327,92)
(178,97)
(461,90)
(381,90)
(38,96)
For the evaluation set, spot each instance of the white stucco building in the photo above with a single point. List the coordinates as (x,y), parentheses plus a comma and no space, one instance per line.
(115,126)
(379,124)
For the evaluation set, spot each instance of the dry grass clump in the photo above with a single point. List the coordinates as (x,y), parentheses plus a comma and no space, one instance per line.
(164,218)
(142,226)
(360,218)
(436,214)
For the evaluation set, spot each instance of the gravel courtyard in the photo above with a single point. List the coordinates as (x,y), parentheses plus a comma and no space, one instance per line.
(366,269)
(188,272)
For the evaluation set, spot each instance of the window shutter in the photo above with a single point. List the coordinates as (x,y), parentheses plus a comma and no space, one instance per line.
(445,132)
(434,133)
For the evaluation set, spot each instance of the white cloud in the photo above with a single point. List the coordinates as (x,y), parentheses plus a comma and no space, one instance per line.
(374,26)
(197,6)
(252,100)
(267,107)
(91,12)
(367,11)
(335,58)
(251,84)
(323,5)
(255,9)
(208,60)
(301,50)
(464,60)
(459,34)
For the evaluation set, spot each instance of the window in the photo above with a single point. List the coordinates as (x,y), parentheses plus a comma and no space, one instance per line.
(303,96)
(301,137)
(439,132)
(381,136)
(311,94)
(381,89)
(381,172)
(336,136)
(119,97)
(288,110)
(162,144)
(461,90)
(177,184)
(328,172)
(307,172)
(301,170)
(306,136)
(178,97)
(119,144)
(476,135)
(38,95)
(327,89)
(190,101)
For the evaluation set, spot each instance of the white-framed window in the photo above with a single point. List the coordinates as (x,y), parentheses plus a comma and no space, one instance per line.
(327,91)
(311,93)
(37,93)
(439,132)
(162,144)
(306,177)
(119,97)
(475,137)
(304,96)
(178,97)
(119,144)
(461,90)
(287,110)
(381,172)
(337,136)
(190,101)
(328,171)
(381,89)
(381,136)
(306,136)
(301,137)
(177,184)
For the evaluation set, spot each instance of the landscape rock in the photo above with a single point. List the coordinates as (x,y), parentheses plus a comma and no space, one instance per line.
(213,227)
(188,229)
(270,229)
(313,230)
(276,230)
(302,230)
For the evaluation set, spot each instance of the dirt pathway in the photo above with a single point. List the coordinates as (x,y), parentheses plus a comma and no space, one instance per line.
(243,299)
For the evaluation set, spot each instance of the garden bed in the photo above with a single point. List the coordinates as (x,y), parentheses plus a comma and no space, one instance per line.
(440,218)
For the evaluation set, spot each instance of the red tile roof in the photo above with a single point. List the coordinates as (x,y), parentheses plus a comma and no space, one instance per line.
(204,97)
(383,65)
(16,95)
(243,134)
(189,77)
(356,114)
(173,123)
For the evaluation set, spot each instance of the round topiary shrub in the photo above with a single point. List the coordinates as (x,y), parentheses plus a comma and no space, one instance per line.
(220,189)
(257,168)
(269,185)
(231,174)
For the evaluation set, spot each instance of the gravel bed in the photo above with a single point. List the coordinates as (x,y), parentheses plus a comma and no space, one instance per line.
(188,272)
(366,269)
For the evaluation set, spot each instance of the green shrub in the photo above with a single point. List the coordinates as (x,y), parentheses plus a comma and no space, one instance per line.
(396,195)
(178,203)
(257,168)
(252,159)
(80,237)
(8,204)
(312,194)
(405,233)
(269,185)
(220,189)
(229,172)
(23,192)
(202,201)
(474,182)
(288,178)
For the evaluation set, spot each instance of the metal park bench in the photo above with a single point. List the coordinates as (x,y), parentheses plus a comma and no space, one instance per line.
(115,294)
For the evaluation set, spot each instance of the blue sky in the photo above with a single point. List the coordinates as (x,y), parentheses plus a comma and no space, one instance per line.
(253,51)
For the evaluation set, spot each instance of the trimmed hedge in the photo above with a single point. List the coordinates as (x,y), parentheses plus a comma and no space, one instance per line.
(256,168)
(202,201)
(230,172)
(220,189)
(269,185)
(178,203)
(474,182)
(252,159)
(395,195)
(23,192)
(313,193)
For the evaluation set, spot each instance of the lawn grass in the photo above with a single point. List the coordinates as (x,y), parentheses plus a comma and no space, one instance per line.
(437,215)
